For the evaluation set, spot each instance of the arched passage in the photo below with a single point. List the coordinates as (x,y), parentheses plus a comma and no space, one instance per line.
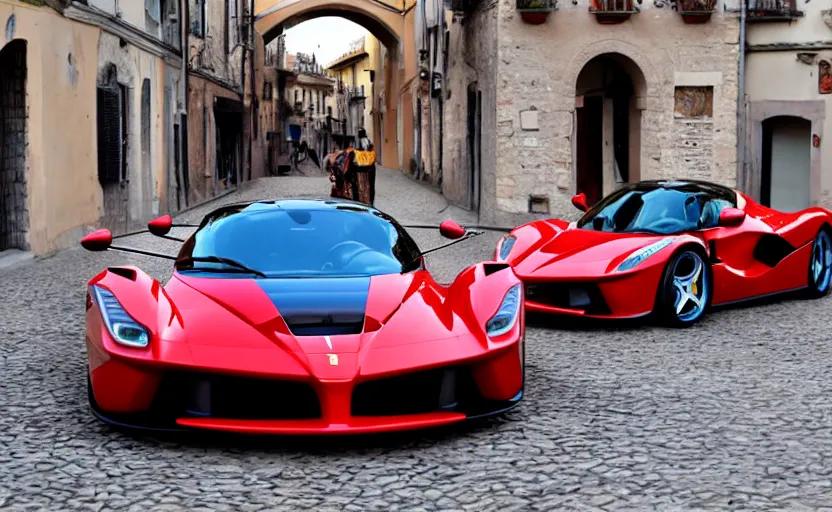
(14,221)
(786,177)
(608,124)
(384,22)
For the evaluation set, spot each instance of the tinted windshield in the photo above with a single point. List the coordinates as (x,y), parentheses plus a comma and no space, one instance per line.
(658,210)
(302,242)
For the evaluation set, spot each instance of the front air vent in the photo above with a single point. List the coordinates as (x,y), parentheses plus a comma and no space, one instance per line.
(324,324)
(127,273)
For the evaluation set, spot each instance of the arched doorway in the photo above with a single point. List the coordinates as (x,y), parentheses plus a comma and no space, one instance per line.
(608,125)
(14,219)
(386,24)
(786,178)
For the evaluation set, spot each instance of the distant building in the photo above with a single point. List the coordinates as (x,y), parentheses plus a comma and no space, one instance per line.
(359,75)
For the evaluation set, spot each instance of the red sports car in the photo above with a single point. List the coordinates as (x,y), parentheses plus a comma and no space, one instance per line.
(668,247)
(301,317)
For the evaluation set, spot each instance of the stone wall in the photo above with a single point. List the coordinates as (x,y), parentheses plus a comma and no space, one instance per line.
(538,70)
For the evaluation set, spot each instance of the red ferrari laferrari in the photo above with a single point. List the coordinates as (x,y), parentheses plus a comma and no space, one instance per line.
(301,317)
(673,248)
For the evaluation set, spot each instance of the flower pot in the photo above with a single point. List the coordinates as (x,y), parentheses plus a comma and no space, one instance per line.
(694,18)
(534,17)
(609,18)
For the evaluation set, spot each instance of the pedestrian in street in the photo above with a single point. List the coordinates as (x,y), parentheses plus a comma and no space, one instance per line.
(365,160)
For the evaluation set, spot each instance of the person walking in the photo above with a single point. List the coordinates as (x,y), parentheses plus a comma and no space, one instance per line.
(366,161)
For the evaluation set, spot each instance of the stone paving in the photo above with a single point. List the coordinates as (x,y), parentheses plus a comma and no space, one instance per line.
(732,414)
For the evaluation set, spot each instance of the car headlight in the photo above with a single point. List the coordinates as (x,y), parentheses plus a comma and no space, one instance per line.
(638,257)
(506,316)
(123,328)
(504,247)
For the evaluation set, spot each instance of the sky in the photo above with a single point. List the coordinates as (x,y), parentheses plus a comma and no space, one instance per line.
(327,38)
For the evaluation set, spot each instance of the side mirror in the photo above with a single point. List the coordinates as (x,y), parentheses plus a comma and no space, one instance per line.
(731,217)
(98,241)
(579,202)
(452,230)
(160,226)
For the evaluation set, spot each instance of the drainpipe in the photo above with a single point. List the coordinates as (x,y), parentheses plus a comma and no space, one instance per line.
(183,88)
(254,111)
(741,129)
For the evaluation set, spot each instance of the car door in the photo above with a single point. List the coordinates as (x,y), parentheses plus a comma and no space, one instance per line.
(737,273)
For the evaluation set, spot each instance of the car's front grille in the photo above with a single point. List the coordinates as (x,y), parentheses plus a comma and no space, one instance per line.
(580,296)
(444,389)
(231,397)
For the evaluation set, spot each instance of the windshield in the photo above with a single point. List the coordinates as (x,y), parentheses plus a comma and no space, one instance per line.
(323,242)
(658,210)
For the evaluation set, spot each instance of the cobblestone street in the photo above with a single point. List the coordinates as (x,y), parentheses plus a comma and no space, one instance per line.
(734,413)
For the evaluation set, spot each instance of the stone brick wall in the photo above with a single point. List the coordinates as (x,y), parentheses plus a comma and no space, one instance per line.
(538,68)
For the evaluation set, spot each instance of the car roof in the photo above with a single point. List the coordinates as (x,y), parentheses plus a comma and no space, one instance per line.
(294,204)
(688,185)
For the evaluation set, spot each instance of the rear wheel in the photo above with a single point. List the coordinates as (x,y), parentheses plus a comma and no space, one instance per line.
(685,290)
(820,265)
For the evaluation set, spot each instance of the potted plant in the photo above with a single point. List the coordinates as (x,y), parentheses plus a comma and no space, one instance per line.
(696,11)
(535,12)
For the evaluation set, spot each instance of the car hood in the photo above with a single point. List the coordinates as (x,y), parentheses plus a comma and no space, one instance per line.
(578,253)
(313,316)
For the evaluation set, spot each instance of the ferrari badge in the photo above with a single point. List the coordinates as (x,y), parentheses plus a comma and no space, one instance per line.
(333,359)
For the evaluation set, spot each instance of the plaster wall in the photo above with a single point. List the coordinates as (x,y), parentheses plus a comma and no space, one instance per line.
(134,66)
(61,159)
(778,83)
(812,27)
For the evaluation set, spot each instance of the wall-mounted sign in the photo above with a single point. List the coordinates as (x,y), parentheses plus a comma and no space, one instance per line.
(815,141)
(436,85)
(825,77)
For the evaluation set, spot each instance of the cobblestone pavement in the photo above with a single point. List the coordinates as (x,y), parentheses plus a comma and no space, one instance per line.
(734,413)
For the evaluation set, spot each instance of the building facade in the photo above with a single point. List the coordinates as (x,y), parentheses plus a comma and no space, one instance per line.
(219,153)
(545,100)
(85,137)
(359,75)
(432,37)
(788,77)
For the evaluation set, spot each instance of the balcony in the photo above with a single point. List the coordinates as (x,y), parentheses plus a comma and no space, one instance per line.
(611,12)
(535,12)
(772,10)
(696,11)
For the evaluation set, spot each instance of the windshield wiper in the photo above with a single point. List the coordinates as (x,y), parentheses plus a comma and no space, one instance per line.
(225,261)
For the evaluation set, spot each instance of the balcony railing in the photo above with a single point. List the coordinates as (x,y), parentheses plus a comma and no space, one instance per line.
(611,12)
(772,10)
(613,6)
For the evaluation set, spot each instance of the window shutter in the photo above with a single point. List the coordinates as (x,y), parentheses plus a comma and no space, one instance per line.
(109,136)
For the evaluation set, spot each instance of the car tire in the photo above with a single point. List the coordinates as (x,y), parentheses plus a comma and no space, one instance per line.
(685,289)
(820,265)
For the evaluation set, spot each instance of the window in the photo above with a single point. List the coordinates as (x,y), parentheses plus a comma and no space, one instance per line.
(299,242)
(152,16)
(296,95)
(362,90)
(112,134)
(657,209)
(199,18)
